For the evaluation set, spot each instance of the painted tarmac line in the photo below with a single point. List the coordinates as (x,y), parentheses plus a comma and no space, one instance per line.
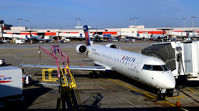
(175,97)
(190,89)
(143,92)
(125,100)
(134,89)
(166,102)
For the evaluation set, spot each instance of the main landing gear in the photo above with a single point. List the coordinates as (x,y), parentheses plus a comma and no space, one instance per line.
(93,74)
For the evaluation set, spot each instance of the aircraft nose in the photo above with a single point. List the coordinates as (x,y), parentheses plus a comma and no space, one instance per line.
(167,81)
(170,84)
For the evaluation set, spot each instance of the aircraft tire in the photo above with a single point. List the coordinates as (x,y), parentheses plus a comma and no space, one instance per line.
(169,92)
(161,96)
(93,75)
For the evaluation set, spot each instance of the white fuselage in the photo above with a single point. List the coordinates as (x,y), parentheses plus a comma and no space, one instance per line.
(133,65)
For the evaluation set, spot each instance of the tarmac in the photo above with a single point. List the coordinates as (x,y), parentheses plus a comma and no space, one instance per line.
(118,92)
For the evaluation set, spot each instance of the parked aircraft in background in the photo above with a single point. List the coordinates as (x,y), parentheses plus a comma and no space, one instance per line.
(2,61)
(33,38)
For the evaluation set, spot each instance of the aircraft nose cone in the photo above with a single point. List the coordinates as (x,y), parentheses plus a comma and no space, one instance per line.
(170,84)
(166,81)
(170,81)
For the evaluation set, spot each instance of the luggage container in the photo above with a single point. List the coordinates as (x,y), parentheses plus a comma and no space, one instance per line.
(10,83)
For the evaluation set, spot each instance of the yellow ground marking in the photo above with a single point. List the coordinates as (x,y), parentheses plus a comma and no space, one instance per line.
(175,97)
(134,89)
(166,102)
(143,92)
(190,89)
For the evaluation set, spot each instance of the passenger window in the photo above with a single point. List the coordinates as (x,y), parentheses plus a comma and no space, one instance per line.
(147,67)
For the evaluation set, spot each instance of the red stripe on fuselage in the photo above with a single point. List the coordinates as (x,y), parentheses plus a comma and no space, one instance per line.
(5,81)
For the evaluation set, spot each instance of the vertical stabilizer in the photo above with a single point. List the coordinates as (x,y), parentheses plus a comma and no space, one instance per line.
(2,28)
(86,32)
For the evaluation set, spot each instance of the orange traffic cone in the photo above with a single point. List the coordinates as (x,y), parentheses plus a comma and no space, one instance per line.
(178,103)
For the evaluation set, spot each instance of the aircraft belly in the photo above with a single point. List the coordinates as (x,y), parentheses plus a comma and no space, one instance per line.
(137,75)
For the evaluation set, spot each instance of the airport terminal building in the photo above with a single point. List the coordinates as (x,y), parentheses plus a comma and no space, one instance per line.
(132,31)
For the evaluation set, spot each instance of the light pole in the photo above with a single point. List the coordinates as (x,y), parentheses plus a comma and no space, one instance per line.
(131,21)
(19,21)
(26,23)
(192,20)
(184,21)
(135,20)
(78,21)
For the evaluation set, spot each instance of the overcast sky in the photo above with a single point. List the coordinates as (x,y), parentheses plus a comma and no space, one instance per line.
(99,13)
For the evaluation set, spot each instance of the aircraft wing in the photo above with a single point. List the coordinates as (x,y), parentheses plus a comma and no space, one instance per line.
(86,68)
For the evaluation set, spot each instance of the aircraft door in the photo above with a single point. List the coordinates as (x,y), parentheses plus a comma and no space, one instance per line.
(130,66)
(134,69)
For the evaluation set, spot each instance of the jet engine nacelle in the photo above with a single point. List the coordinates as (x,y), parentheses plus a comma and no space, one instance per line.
(111,45)
(81,49)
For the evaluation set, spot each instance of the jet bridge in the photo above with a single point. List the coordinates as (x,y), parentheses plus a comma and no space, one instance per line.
(163,51)
(181,57)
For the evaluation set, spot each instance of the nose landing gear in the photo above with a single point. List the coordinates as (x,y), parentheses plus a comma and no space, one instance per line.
(161,94)
(164,92)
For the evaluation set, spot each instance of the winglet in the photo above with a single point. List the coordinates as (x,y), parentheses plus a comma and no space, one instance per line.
(86,32)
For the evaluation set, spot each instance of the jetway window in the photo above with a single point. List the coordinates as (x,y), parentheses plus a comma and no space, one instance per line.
(188,61)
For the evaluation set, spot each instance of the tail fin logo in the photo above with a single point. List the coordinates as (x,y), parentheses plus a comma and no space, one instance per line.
(85,28)
(86,32)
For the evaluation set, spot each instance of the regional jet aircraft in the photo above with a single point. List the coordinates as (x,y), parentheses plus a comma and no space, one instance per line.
(145,69)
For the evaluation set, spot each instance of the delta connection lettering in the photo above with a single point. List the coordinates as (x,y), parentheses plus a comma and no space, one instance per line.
(130,59)
(4,78)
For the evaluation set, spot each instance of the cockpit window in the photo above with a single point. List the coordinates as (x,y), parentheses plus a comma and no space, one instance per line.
(147,67)
(165,68)
(155,67)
